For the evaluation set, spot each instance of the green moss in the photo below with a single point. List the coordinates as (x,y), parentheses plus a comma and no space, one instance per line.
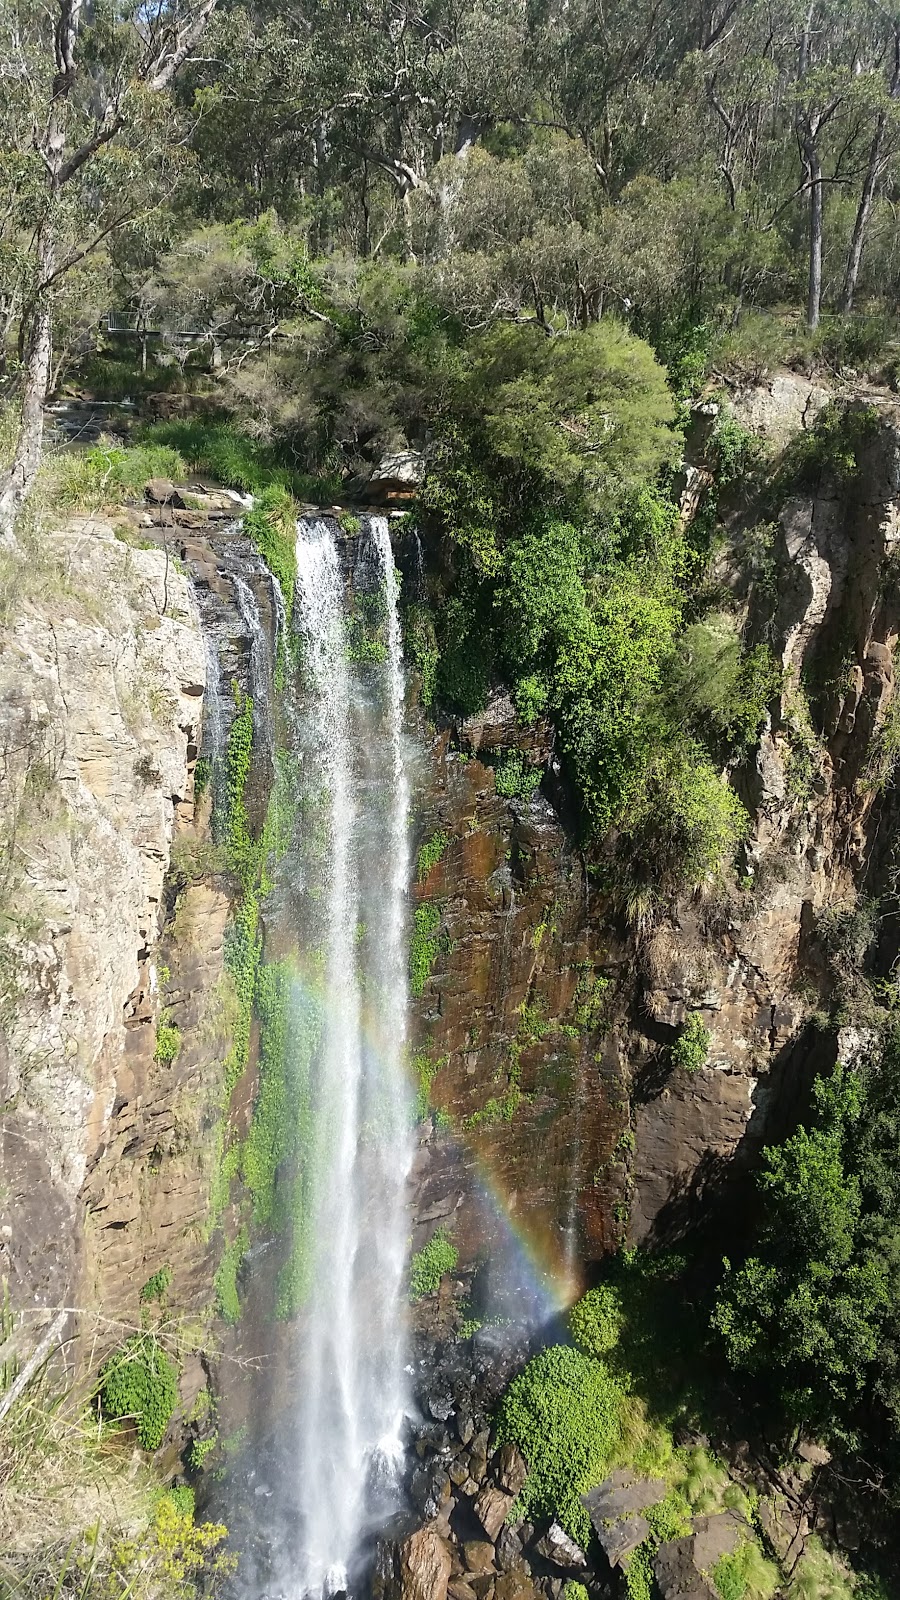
(515,777)
(430,854)
(201,1448)
(267,1140)
(421,648)
(272,525)
(563,1411)
(226,1276)
(139,1382)
(168,1042)
(425,1070)
(428,1265)
(157,1286)
(202,776)
(425,944)
(691,1048)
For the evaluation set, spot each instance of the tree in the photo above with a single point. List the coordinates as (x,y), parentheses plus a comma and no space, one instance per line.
(86,87)
(807,1311)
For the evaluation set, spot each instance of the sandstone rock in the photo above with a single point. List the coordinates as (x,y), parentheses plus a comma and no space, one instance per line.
(491,1508)
(459,1589)
(514,1586)
(785,1530)
(556,1546)
(620,1495)
(676,1574)
(510,1469)
(478,1555)
(424,1567)
(509,1549)
(162,492)
(620,1538)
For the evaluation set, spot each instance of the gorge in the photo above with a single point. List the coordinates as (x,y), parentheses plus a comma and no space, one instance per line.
(449,752)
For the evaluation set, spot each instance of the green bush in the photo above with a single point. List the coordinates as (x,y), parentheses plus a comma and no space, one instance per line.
(272,525)
(227,1274)
(140,1382)
(157,1286)
(515,778)
(564,1413)
(691,1048)
(428,1265)
(596,1320)
(424,945)
(430,854)
(168,1042)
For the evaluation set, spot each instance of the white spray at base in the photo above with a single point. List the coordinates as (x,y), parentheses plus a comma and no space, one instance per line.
(353,1349)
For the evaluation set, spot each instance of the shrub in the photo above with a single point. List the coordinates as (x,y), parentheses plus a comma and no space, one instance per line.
(428,1265)
(596,1320)
(168,1043)
(515,778)
(430,854)
(424,945)
(564,1413)
(745,1575)
(157,1286)
(692,1045)
(226,1276)
(140,1382)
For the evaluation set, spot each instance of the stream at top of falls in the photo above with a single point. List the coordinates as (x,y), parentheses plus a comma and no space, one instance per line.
(322,1430)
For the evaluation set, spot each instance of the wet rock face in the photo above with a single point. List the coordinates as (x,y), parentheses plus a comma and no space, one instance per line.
(100,703)
(547,1029)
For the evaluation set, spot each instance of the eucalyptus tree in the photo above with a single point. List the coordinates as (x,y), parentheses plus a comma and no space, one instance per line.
(91,144)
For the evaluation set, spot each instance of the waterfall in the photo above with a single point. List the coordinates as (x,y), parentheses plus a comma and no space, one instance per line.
(352,1348)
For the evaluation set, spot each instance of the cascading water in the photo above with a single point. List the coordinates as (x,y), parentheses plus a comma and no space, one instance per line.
(352,1355)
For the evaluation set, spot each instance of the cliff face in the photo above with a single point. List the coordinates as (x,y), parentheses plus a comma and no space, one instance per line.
(101,690)
(543,1029)
(541,1007)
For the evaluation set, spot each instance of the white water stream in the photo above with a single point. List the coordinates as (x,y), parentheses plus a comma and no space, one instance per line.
(351,1375)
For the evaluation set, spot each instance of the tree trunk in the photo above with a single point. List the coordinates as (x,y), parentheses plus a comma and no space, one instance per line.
(16,483)
(816,206)
(864,208)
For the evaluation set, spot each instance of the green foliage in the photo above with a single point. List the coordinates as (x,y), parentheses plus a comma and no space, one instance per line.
(157,1286)
(139,1382)
(596,1321)
(833,446)
(267,1140)
(227,1274)
(182,1497)
(563,1412)
(691,1048)
(746,1575)
(735,451)
(237,460)
(515,778)
(425,1070)
(575,1590)
(430,854)
(272,525)
(425,944)
(202,776)
(201,1448)
(107,472)
(168,1042)
(720,690)
(420,643)
(810,1309)
(429,1265)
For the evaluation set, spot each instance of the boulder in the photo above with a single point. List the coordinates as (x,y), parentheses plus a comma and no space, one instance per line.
(424,1566)
(514,1586)
(492,1508)
(681,1564)
(510,1469)
(478,1556)
(397,477)
(162,492)
(620,1495)
(509,1549)
(558,1548)
(620,1538)
(459,1589)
